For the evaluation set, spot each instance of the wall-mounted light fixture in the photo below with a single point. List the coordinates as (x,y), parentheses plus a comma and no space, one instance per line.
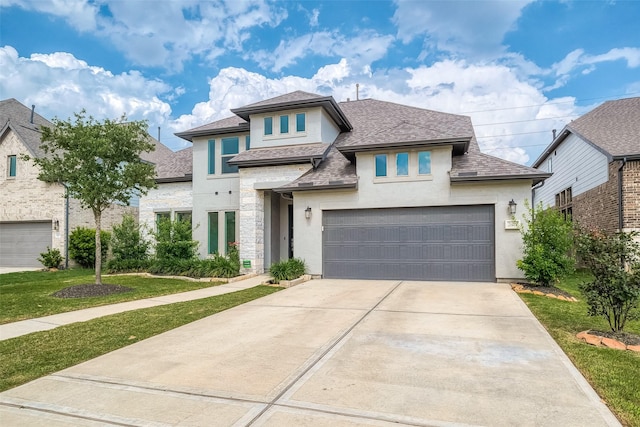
(512,207)
(56,224)
(307,212)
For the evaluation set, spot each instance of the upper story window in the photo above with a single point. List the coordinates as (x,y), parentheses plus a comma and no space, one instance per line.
(268,125)
(402,164)
(407,165)
(301,125)
(211,157)
(381,165)
(229,150)
(11,166)
(424,163)
(284,124)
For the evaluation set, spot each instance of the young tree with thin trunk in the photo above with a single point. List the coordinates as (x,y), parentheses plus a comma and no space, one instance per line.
(99,163)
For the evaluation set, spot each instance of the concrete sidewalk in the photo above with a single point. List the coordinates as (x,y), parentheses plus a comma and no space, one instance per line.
(332,353)
(16,329)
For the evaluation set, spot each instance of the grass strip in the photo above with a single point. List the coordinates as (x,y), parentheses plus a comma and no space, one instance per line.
(614,374)
(32,356)
(27,295)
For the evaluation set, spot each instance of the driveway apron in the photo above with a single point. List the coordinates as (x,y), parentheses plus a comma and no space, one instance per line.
(334,353)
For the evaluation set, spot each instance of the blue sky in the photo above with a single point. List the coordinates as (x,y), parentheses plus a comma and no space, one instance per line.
(518,68)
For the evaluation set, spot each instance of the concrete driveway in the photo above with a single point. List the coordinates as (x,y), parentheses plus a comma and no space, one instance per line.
(330,353)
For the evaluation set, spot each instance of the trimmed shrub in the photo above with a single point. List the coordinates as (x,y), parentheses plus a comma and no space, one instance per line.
(82,246)
(52,258)
(129,249)
(548,241)
(174,242)
(287,270)
(614,261)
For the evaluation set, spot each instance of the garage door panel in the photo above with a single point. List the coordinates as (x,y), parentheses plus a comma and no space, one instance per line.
(434,243)
(21,243)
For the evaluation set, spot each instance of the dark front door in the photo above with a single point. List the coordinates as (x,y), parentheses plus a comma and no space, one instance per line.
(290,231)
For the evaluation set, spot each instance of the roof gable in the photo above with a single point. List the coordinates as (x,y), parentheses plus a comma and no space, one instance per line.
(613,128)
(16,116)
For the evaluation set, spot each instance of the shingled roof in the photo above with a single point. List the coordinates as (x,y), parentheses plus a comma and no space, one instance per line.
(613,128)
(233,124)
(287,98)
(334,172)
(288,154)
(476,166)
(378,124)
(17,117)
(177,167)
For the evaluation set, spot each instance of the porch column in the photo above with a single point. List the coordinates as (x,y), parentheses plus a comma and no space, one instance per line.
(251,224)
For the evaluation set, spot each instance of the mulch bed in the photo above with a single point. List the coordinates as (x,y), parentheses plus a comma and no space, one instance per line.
(90,290)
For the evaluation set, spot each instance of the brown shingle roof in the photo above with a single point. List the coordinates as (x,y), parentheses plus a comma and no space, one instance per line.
(280,155)
(285,99)
(378,124)
(233,124)
(17,116)
(614,127)
(334,172)
(179,166)
(476,166)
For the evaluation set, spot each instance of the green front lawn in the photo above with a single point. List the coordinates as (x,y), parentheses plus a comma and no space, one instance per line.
(614,374)
(27,295)
(35,355)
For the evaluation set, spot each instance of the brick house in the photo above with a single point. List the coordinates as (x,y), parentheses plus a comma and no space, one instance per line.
(35,215)
(595,162)
(358,189)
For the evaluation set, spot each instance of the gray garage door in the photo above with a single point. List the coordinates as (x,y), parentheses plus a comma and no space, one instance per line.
(22,242)
(434,243)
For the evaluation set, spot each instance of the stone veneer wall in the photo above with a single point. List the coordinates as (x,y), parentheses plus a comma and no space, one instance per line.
(598,207)
(25,197)
(168,197)
(252,209)
(79,217)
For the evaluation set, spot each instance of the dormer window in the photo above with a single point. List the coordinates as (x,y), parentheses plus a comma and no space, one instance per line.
(268,125)
(284,124)
(301,124)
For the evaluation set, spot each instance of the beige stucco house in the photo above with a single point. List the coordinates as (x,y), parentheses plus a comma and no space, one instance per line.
(358,189)
(35,215)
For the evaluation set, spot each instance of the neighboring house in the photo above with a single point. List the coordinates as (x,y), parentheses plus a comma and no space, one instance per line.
(35,215)
(595,162)
(360,189)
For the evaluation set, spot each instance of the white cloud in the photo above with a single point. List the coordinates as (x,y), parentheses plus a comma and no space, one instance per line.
(361,50)
(169,33)
(60,84)
(578,61)
(81,14)
(473,28)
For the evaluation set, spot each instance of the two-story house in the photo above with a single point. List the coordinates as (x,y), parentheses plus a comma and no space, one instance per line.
(595,161)
(35,215)
(358,189)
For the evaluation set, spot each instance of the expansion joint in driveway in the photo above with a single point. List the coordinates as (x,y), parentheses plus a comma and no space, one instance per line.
(319,358)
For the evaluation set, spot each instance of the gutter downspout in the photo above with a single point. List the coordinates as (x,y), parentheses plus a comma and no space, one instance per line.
(533,195)
(620,207)
(66,226)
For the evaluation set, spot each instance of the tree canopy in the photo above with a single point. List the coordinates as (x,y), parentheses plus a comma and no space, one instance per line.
(98,162)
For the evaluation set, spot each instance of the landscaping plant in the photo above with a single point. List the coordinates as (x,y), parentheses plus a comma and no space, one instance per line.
(547,239)
(614,261)
(129,249)
(99,164)
(82,246)
(52,258)
(287,270)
